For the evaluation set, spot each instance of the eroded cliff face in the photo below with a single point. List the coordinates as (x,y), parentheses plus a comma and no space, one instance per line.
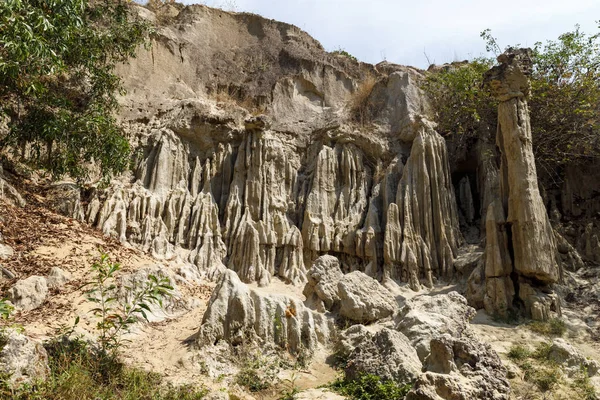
(266,195)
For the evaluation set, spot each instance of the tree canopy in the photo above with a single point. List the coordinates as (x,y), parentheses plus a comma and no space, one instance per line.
(564,102)
(58,84)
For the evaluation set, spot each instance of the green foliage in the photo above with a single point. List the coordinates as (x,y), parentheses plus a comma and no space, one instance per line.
(370,387)
(552,327)
(344,53)
(458,101)
(583,386)
(258,373)
(537,366)
(78,371)
(564,101)
(5,309)
(115,318)
(58,85)
(518,353)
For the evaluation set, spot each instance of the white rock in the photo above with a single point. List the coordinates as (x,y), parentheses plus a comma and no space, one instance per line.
(363,299)
(57,278)
(22,359)
(28,294)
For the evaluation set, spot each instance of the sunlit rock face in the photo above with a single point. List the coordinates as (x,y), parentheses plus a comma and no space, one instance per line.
(520,254)
(249,158)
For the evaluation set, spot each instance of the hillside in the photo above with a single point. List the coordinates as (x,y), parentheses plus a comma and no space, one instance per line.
(311,223)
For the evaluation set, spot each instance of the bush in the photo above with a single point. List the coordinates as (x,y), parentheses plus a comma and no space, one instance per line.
(552,327)
(370,387)
(564,101)
(518,353)
(361,110)
(58,85)
(78,371)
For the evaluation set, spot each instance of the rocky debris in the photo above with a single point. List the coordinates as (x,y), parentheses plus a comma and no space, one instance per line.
(65,199)
(321,289)
(240,315)
(468,258)
(387,354)
(350,339)
(519,215)
(9,193)
(541,306)
(363,299)
(22,359)
(425,317)
(318,394)
(28,294)
(571,359)
(57,278)
(461,369)
(6,251)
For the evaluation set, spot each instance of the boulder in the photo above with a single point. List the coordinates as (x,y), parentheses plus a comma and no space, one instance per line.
(363,299)
(28,294)
(425,317)
(57,278)
(350,339)
(461,369)
(321,290)
(387,354)
(240,315)
(6,251)
(22,359)
(562,353)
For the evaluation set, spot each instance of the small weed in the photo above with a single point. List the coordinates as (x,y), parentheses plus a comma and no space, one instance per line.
(361,109)
(291,390)
(344,53)
(518,353)
(370,387)
(542,351)
(552,327)
(583,386)
(258,373)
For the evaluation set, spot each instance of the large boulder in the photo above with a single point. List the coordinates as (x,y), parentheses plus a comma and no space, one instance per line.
(321,290)
(363,299)
(387,354)
(350,339)
(426,317)
(22,360)
(28,294)
(461,369)
(561,352)
(240,315)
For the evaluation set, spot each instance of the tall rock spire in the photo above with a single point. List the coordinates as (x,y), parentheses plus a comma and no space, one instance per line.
(530,238)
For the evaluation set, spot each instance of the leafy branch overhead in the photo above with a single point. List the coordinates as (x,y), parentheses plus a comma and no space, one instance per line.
(58,85)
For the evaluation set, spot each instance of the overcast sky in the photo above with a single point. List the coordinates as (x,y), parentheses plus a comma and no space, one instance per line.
(402,31)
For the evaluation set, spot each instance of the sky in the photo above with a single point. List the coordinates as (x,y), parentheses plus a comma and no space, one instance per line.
(411,32)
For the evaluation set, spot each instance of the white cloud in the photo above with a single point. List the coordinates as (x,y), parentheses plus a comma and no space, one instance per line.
(402,30)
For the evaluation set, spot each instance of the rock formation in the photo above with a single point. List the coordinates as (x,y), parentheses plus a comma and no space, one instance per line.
(520,252)
(266,195)
(240,315)
(461,368)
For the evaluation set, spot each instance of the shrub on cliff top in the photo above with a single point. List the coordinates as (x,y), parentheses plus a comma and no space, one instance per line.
(564,103)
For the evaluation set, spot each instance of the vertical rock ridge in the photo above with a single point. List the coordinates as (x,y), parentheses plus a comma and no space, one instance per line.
(520,243)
